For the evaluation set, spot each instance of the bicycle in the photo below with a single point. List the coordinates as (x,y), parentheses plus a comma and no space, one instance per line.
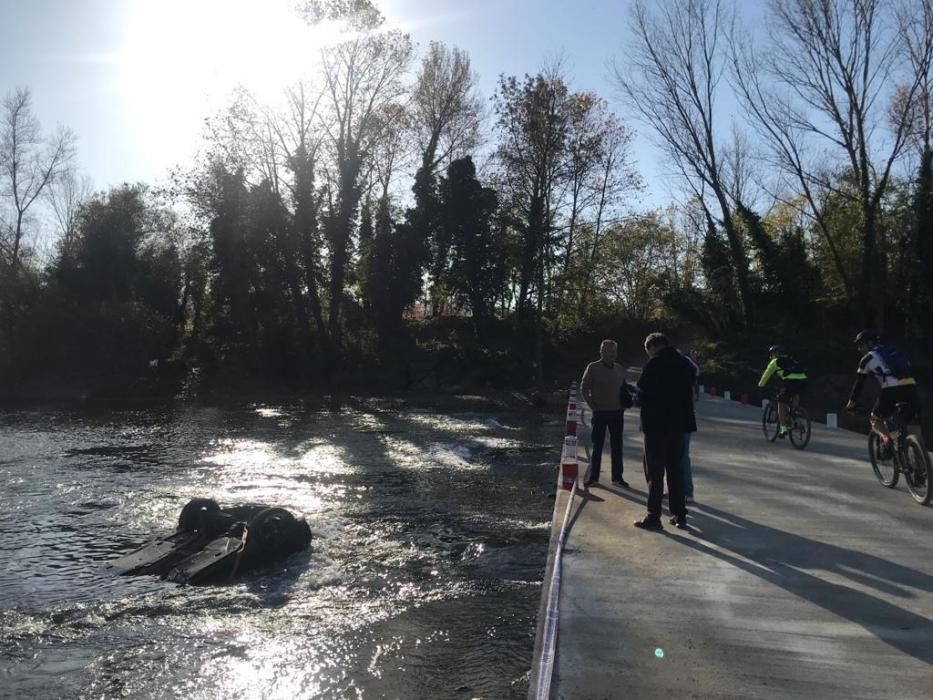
(798,422)
(899,452)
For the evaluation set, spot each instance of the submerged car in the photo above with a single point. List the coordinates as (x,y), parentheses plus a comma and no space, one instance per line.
(215,544)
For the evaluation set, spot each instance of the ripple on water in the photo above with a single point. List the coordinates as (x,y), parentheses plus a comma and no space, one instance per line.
(423,579)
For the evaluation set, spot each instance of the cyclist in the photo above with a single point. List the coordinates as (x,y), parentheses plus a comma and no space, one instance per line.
(891,366)
(793,382)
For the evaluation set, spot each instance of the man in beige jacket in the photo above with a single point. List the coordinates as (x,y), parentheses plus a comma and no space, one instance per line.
(601,387)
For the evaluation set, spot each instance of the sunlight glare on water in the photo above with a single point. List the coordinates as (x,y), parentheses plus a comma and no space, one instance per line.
(430,532)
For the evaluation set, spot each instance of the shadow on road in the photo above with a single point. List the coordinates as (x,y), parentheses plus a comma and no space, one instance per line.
(786,560)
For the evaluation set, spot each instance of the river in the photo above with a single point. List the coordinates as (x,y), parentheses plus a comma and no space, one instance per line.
(430,523)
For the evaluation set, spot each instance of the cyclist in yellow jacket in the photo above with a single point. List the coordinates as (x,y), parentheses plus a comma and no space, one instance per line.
(793,382)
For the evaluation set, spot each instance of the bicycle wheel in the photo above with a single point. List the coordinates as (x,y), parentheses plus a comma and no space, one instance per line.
(799,428)
(882,461)
(769,422)
(916,466)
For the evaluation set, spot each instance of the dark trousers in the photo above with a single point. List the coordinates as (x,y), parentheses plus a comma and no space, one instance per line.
(664,453)
(601,421)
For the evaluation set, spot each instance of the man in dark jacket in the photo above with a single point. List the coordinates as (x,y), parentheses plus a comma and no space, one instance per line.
(666,390)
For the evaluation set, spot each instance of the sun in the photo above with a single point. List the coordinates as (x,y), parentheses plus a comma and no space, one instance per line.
(181,59)
(200,42)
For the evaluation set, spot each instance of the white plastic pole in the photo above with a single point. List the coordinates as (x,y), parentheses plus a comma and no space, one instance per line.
(832,421)
(570,448)
(727,395)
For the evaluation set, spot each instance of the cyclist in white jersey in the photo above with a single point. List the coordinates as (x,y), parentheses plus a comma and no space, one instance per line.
(891,367)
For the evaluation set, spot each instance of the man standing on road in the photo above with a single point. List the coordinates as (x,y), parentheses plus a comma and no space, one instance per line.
(601,387)
(667,413)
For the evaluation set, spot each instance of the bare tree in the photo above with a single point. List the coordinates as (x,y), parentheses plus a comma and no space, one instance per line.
(824,81)
(300,145)
(445,115)
(671,79)
(585,135)
(391,151)
(245,137)
(357,14)
(915,26)
(598,175)
(533,119)
(446,108)
(790,153)
(29,162)
(740,169)
(614,175)
(361,76)
(65,198)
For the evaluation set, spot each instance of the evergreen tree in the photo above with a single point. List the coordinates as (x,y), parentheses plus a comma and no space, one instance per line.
(394,278)
(365,251)
(114,293)
(476,273)
(720,279)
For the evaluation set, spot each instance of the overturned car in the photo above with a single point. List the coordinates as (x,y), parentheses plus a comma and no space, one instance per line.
(213,544)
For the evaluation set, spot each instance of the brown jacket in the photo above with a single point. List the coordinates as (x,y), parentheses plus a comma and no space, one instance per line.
(601,385)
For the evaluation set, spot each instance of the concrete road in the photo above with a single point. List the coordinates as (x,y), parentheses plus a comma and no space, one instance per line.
(801,576)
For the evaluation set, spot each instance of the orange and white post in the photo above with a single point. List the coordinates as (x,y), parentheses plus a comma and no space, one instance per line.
(573,414)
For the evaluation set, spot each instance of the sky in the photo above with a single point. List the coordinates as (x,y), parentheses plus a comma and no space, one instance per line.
(134,79)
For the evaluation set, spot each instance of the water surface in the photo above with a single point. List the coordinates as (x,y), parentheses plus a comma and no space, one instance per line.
(430,522)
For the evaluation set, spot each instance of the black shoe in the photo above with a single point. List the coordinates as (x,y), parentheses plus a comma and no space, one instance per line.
(679,523)
(649,523)
(621,482)
(590,482)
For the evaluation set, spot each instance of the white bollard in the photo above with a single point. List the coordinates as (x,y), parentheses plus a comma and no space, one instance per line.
(832,420)
(570,447)
(727,395)
(764,403)
(702,388)
(569,466)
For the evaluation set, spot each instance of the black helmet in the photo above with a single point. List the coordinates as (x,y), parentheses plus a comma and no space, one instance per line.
(866,336)
(775,350)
